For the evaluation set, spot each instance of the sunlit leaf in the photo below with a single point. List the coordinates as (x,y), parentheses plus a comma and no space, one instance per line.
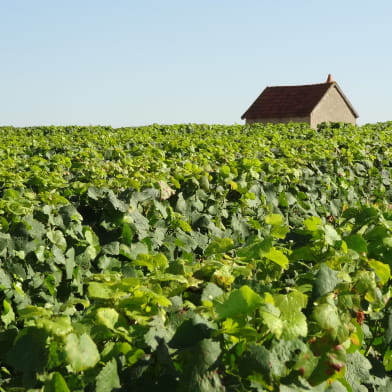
(108,317)
(241,301)
(82,353)
(8,315)
(383,271)
(277,257)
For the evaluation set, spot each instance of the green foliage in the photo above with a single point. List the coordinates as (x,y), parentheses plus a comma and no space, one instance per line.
(81,352)
(196,257)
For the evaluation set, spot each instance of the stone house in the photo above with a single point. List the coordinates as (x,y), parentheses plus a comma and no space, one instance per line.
(311,104)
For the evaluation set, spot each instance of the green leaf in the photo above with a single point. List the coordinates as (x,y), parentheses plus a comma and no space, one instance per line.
(326,281)
(69,263)
(116,203)
(127,234)
(279,231)
(56,383)
(387,360)
(387,241)
(284,354)
(274,219)
(108,378)
(303,253)
(387,386)
(82,353)
(56,237)
(357,371)
(181,205)
(293,320)
(158,331)
(30,311)
(8,315)
(152,262)
(106,263)
(388,328)
(35,228)
(95,193)
(211,290)
(113,248)
(91,238)
(313,224)
(255,248)
(357,243)
(277,257)
(150,295)
(184,226)
(327,317)
(219,245)
(243,300)
(59,326)
(5,280)
(366,215)
(225,170)
(366,282)
(331,235)
(199,371)
(107,317)
(255,360)
(164,277)
(273,322)
(383,271)
(337,386)
(100,290)
(29,354)
(190,332)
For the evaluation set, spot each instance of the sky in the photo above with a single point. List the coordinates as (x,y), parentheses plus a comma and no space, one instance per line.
(132,63)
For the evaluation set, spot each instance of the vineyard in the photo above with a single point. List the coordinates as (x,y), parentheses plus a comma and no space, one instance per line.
(199,258)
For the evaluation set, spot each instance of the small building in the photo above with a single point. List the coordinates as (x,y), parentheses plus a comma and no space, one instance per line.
(311,104)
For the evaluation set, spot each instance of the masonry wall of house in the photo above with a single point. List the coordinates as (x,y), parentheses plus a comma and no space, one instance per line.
(283,120)
(332,108)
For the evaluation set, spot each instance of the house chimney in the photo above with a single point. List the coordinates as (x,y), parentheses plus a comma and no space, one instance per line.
(329,79)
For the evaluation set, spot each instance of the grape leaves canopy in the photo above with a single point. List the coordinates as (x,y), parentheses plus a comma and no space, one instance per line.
(196,257)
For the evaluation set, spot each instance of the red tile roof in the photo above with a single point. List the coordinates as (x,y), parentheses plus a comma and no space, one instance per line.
(290,101)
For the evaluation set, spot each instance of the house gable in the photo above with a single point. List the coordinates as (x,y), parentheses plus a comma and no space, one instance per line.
(333,107)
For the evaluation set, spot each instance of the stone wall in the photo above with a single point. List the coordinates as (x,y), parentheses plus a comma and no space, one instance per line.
(283,120)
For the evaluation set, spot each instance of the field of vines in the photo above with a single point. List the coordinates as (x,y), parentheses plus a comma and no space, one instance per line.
(196,258)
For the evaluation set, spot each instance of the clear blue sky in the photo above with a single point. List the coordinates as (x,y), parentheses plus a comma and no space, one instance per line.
(128,62)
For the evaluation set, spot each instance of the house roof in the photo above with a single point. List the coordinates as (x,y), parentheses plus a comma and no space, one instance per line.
(291,101)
